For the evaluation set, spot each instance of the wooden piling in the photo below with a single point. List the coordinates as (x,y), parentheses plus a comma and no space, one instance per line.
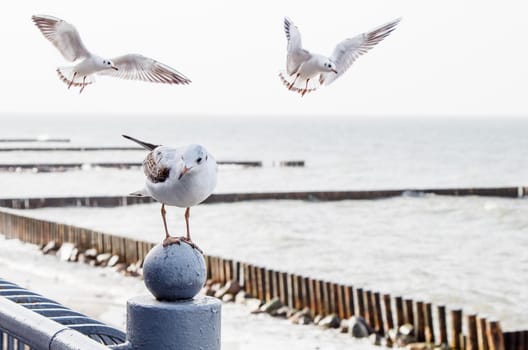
(261,275)
(341,303)
(456,329)
(269,285)
(482,334)
(349,301)
(307,298)
(442,324)
(389,321)
(420,322)
(370,308)
(495,337)
(429,329)
(409,313)
(472,338)
(360,303)
(378,316)
(400,318)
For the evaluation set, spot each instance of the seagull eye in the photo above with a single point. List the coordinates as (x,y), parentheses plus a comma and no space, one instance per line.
(199,160)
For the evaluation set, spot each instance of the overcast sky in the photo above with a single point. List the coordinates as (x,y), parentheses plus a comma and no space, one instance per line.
(446,57)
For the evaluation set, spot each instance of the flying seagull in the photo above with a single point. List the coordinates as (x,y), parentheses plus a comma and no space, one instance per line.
(306,71)
(66,39)
(181,177)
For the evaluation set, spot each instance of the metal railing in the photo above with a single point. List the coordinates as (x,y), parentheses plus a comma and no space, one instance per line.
(30,321)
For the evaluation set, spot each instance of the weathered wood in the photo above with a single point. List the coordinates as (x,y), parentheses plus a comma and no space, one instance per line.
(319,287)
(269,284)
(442,324)
(472,338)
(261,273)
(367,296)
(276,284)
(247,278)
(456,329)
(314,306)
(360,303)
(429,329)
(326,298)
(420,322)
(298,292)
(378,315)
(389,321)
(254,281)
(400,318)
(349,301)
(482,334)
(409,313)
(284,287)
(306,290)
(495,337)
(341,303)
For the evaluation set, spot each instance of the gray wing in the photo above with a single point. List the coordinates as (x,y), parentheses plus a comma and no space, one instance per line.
(62,35)
(138,67)
(296,54)
(347,51)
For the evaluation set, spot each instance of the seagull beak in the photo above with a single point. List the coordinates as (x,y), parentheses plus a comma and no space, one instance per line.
(184,171)
(114,67)
(333,70)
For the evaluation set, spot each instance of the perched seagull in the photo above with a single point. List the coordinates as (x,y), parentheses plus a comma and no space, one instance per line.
(182,177)
(302,66)
(66,39)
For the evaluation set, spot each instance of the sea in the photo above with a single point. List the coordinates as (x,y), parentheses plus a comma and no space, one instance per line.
(463,252)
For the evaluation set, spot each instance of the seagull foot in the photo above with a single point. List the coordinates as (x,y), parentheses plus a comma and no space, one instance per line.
(191,243)
(171,240)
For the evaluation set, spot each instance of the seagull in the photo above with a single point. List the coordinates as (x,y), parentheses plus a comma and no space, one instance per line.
(66,39)
(306,71)
(181,177)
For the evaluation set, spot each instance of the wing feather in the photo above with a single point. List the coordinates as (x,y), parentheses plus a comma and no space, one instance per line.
(62,35)
(138,67)
(296,54)
(347,51)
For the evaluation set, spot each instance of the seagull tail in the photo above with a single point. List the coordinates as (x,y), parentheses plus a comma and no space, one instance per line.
(70,78)
(298,85)
(141,193)
(143,144)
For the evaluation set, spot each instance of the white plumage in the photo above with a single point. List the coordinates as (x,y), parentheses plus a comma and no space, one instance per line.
(66,39)
(306,71)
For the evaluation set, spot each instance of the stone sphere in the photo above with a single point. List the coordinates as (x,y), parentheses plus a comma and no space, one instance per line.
(174,272)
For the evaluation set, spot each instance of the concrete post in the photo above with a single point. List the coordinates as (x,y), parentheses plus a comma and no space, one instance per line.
(174,317)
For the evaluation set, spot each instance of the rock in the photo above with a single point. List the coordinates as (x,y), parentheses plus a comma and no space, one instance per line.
(90,253)
(121,267)
(231,287)
(343,327)
(50,247)
(317,319)
(283,312)
(253,304)
(81,258)
(271,306)
(209,291)
(358,327)
(113,261)
(74,254)
(65,251)
(102,259)
(302,317)
(330,321)
(406,329)
(240,297)
(228,298)
(376,339)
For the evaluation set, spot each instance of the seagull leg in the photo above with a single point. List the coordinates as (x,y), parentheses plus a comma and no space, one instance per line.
(71,81)
(188,238)
(294,80)
(83,84)
(305,88)
(168,239)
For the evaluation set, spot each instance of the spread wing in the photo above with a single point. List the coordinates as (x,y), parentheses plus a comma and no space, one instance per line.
(347,51)
(62,35)
(138,67)
(296,54)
